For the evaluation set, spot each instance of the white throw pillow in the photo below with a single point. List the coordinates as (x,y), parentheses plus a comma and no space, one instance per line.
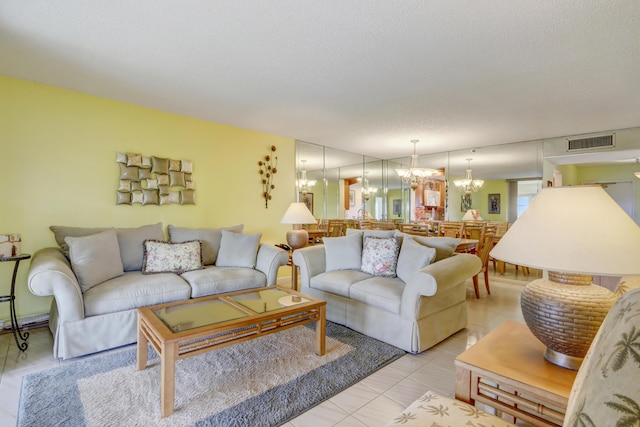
(413,256)
(238,250)
(343,253)
(166,257)
(95,258)
(380,255)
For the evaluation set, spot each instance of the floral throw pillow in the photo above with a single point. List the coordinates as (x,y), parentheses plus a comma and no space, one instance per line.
(380,255)
(168,257)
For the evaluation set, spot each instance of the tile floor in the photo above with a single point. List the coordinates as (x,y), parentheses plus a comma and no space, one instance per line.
(372,402)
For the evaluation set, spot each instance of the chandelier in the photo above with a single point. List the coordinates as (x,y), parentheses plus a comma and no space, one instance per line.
(367,190)
(415,176)
(468,184)
(303,183)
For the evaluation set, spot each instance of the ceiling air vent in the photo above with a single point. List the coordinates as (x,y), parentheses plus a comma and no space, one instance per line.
(591,143)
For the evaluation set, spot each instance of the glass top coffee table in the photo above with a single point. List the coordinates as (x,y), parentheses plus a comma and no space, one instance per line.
(187,328)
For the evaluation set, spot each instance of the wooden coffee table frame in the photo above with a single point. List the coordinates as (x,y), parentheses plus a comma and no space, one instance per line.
(172,346)
(506,370)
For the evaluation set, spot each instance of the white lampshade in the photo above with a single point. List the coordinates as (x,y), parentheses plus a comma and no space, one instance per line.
(298,213)
(472,215)
(573,232)
(578,229)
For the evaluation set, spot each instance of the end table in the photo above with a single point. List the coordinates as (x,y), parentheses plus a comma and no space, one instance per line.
(11,298)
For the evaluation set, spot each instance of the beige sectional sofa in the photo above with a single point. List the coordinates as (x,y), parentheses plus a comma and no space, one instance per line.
(413,304)
(98,277)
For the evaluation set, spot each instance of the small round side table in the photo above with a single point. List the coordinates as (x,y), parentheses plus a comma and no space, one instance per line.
(15,328)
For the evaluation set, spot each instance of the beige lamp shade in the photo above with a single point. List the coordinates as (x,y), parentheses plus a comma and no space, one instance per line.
(298,214)
(573,232)
(578,229)
(472,215)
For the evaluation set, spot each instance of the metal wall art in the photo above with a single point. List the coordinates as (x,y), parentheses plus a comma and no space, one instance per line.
(151,180)
(268,168)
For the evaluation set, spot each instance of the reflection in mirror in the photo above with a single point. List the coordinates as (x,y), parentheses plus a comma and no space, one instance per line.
(353,186)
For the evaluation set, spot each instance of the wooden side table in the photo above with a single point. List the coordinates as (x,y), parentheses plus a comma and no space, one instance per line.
(11,298)
(506,370)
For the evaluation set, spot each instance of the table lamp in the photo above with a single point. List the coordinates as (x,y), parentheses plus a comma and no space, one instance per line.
(573,232)
(298,214)
(472,215)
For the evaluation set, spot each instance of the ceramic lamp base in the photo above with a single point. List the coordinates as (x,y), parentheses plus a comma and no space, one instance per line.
(565,313)
(297,238)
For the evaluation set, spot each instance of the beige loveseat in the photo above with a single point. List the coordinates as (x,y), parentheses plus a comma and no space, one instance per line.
(97,280)
(413,305)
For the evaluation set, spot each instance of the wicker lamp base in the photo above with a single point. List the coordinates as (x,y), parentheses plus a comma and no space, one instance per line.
(565,313)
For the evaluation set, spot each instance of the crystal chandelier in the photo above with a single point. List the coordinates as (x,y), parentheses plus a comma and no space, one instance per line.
(415,176)
(468,184)
(303,183)
(367,190)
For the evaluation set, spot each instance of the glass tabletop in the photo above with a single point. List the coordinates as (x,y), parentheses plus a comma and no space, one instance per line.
(194,315)
(266,300)
(204,313)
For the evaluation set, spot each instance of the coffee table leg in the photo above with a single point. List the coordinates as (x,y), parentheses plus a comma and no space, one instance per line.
(321,330)
(167,379)
(142,347)
(463,385)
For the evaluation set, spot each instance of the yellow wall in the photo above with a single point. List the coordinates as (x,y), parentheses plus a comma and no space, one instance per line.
(481,200)
(58,151)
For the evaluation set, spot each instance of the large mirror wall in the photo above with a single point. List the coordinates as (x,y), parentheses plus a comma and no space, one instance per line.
(353,186)
(343,185)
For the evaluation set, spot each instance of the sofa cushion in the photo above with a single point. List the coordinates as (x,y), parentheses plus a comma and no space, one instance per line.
(343,253)
(380,255)
(60,232)
(381,292)
(131,242)
(215,280)
(413,256)
(167,257)
(444,246)
(95,258)
(129,239)
(337,282)
(238,250)
(374,233)
(210,238)
(134,290)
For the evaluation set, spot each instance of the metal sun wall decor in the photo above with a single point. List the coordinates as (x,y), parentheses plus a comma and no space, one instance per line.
(268,168)
(151,180)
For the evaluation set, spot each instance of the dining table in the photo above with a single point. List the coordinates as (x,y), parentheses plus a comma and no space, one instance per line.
(467,246)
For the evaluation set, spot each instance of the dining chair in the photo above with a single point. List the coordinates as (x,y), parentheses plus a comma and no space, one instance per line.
(485,244)
(452,229)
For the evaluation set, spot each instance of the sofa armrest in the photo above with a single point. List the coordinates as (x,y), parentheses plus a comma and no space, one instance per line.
(311,261)
(50,274)
(437,277)
(270,258)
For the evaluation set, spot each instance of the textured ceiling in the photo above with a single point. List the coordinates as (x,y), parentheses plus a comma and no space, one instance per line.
(363,76)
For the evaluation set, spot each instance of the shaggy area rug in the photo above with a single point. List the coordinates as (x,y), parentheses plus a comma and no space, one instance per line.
(262,382)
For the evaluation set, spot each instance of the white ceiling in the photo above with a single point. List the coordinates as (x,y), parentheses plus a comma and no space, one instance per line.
(365,76)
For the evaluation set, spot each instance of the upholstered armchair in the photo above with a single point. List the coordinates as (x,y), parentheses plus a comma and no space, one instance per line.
(605,392)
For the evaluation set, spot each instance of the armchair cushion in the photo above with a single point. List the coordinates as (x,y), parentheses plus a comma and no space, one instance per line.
(95,258)
(432,409)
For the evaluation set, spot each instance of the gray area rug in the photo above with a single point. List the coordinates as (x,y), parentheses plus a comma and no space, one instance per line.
(263,382)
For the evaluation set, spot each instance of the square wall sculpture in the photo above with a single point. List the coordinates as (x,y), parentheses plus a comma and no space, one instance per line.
(152,180)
